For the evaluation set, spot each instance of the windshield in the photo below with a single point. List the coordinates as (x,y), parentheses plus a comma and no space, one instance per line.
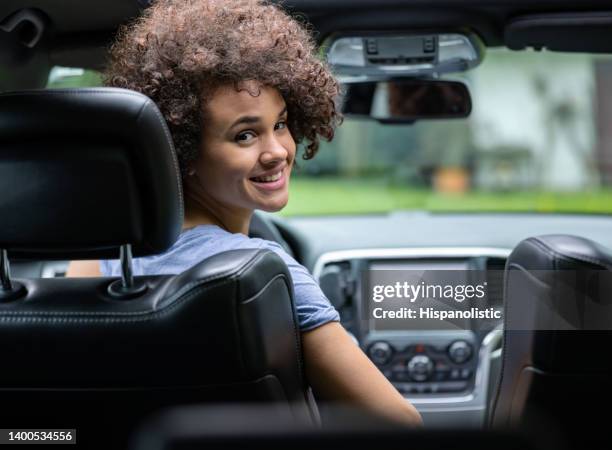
(537,140)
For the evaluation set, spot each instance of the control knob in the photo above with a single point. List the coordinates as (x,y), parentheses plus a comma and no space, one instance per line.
(420,367)
(460,351)
(380,352)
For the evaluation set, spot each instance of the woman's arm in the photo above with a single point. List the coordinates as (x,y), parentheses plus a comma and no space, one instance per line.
(338,371)
(83,269)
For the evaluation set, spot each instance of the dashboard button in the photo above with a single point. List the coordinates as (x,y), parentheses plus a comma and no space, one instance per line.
(411,387)
(401,375)
(402,388)
(437,348)
(440,375)
(442,367)
(423,388)
(454,386)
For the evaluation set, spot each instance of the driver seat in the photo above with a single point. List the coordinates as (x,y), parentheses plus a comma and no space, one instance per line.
(91,174)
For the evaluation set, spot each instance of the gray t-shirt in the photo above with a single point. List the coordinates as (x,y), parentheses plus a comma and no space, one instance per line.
(198,243)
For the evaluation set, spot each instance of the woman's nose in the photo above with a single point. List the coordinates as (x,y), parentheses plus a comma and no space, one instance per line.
(273,151)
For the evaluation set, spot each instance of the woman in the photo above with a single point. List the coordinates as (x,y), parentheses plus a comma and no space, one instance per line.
(239,84)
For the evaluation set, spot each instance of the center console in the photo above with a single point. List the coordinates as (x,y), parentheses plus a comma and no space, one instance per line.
(433,364)
(444,371)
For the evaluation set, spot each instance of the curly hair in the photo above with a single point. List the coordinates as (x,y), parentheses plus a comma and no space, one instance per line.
(179,51)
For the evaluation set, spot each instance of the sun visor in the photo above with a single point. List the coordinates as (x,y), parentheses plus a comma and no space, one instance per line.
(564,32)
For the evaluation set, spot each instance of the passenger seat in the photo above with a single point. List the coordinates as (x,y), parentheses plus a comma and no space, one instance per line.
(556,364)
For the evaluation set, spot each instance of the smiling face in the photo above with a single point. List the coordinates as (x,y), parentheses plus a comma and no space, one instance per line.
(247,152)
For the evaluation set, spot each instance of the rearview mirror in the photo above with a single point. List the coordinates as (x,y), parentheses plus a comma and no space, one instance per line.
(403,101)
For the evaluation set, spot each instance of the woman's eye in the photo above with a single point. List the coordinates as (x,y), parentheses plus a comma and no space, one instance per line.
(245,136)
(280,125)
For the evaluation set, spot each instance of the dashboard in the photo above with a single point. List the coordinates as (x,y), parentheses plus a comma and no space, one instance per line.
(449,373)
(442,367)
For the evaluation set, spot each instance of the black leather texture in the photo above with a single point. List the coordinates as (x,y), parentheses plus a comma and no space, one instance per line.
(225,330)
(556,373)
(84,171)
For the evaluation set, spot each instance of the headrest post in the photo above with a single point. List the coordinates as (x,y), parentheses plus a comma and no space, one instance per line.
(9,290)
(126,288)
(5,271)
(125,255)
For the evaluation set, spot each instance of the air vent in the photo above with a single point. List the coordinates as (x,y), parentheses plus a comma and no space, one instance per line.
(336,283)
(495,280)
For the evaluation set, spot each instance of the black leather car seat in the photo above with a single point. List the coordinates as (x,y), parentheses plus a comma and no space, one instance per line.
(89,174)
(556,363)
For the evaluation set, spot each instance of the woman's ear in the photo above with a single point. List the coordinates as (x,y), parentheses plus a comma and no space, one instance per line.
(191,181)
(191,169)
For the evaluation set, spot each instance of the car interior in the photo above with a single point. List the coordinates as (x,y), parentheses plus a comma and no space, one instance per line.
(494,114)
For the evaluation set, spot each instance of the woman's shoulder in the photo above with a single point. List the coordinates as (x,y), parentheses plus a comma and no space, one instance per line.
(214,235)
(193,246)
(203,241)
(207,232)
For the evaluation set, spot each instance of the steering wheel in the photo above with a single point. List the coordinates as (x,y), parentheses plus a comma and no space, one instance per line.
(263,227)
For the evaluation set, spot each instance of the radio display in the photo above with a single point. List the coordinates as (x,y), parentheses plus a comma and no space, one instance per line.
(418,295)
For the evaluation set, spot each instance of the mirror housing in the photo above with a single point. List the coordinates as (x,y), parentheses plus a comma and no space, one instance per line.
(372,56)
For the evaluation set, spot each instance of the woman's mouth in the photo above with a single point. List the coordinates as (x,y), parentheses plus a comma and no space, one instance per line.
(270,182)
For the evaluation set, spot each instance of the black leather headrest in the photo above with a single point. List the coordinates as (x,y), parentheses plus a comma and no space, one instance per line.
(561,252)
(83,171)
(556,283)
(557,296)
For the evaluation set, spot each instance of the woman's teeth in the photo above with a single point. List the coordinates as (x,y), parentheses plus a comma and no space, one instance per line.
(269,178)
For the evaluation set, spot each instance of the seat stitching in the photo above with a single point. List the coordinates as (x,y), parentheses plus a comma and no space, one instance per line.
(172,153)
(143,318)
(172,300)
